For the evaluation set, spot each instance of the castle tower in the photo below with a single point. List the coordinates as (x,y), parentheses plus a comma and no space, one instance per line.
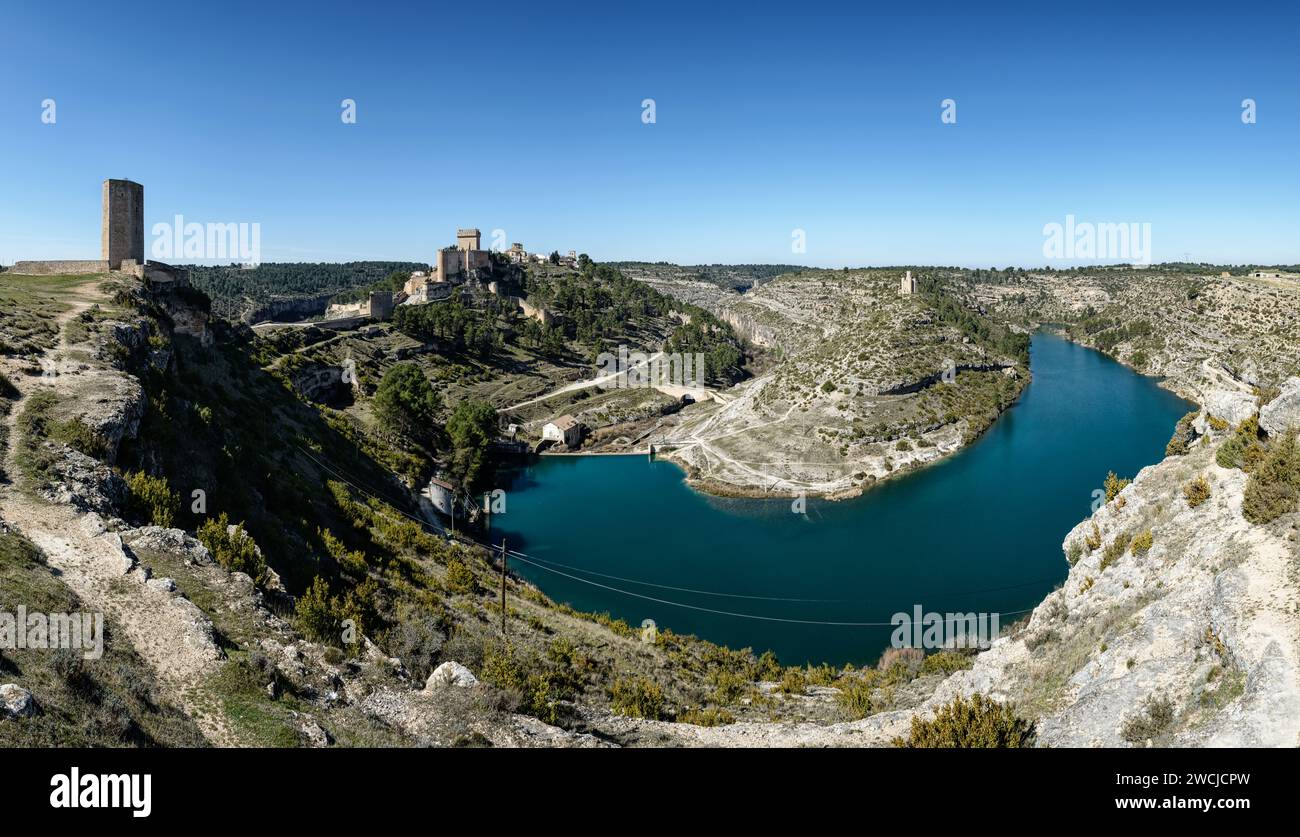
(467,239)
(908,285)
(122,233)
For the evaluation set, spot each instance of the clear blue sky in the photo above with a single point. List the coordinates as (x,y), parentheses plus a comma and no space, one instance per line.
(527,118)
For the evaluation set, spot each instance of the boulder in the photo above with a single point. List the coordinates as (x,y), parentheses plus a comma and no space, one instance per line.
(162,585)
(81,481)
(1232,406)
(450,674)
(315,735)
(170,541)
(17,702)
(1284,411)
(113,410)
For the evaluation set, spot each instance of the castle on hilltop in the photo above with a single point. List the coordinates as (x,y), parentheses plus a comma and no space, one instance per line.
(463,260)
(908,285)
(451,265)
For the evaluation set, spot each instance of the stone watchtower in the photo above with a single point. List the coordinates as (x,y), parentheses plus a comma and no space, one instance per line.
(467,239)
(122,236)
(908,286)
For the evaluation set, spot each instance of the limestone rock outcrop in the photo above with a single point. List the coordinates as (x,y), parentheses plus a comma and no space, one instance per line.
(1283,412)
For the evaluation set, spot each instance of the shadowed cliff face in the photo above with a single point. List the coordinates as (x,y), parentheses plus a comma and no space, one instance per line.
(286,309)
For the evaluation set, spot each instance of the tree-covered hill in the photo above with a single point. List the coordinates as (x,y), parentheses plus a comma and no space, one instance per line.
(234,289)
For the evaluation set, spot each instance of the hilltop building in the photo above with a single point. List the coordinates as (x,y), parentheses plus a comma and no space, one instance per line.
(457,263)
(122,229)
(908,285)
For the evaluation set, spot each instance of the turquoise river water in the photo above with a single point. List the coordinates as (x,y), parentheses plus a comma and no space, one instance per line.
(978,532)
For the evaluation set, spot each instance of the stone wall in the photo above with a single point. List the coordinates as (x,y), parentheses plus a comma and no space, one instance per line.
(59,268)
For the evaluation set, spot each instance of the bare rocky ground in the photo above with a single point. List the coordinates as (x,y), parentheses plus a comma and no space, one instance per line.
(1202,333)
(855,392)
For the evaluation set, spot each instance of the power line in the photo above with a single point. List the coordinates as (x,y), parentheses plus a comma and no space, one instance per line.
(668,586)
(756,616)
(765,598)
(343,477)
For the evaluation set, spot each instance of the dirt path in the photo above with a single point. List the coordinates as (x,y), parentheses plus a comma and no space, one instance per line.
(169,632)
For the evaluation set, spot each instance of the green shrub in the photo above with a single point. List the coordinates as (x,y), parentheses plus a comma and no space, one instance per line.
(729,686)
(1183,436)
(1156,715)
(321,617)
(854,697)
(1243,448)
(637,698)
(501,668)
(1273,488)
(1093,541)
(822,675)
(233,549)
(1115,550)
(1114,485)
(1142,543)
(979,722)
(794,681)
(947,662)
(1073,553)
(1231,454)
(151,498)
(767,668)
(315,614)
(1197,491)
(710,717)
(353,562)
(76,435)
(460,578)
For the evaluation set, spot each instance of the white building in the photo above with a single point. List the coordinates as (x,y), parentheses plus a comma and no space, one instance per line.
(441,495)
(908,285)
(565,430)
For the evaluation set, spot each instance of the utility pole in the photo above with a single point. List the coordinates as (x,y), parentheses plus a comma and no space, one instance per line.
(503,586)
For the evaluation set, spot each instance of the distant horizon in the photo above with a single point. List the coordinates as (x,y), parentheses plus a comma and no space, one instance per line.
(999,267)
